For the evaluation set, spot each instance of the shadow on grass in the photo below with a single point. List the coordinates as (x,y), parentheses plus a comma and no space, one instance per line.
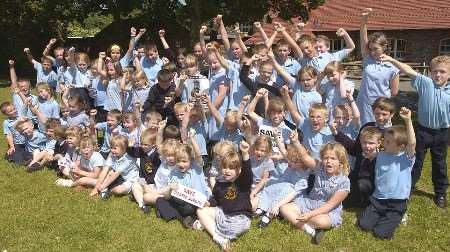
(421,193)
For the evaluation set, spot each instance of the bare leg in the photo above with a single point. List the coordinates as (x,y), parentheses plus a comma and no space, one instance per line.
(138,193)
(207,217)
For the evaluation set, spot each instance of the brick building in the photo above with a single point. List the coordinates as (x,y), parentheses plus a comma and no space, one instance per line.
(418,29)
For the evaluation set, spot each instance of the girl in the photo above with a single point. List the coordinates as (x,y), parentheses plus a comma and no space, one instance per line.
(68,162)
(77,116)
(292,182)
(111,76)
(126,90)
(226,215)
(81,75)
(97,92)
(46,104)
(140,89)
(177,57)
(131,128)
(304,86)
(262,166)
(189,173)
(91,162)
(378,78)
(220,150)
(218,90)
(322,207)
(65,112)
(120,171)
(115,52)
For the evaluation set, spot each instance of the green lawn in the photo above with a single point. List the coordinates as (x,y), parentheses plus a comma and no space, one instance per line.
(35,215)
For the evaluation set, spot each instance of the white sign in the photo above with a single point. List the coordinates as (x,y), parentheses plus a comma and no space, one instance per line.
(190,196)
(268,131)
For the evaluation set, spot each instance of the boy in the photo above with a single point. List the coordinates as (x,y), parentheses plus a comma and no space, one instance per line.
(383,109)
(162,97)
(393,167)
(433,121)
(44,71)
(16,142)
(21,86)
(151,63)
(35,143)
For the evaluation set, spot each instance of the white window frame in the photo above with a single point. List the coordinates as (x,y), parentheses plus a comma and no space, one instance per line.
(339,43)
(395,50)
(447,45)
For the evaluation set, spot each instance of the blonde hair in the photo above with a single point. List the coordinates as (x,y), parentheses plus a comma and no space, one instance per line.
(370,132)
(232,160)
(340,153)
(231,117)
(191,61)
(294,155)
(379,38)
(44,86)
(319,107)
(148,137)
(130,116)
(223,147)
(153,115)
(83,57)
(184,150)
(309,70)
(88,141)
(442,59)
(119,141)
(324,39)
(275,105)
(265,142)
(333,66)
(169,147)
(180,106)
(398,133)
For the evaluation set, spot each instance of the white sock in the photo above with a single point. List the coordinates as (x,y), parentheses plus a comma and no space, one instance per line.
(309,230)
(217,238)
(140,204)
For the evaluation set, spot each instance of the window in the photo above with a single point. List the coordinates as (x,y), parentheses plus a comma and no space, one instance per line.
(336,45)
(444,47)
(398,48)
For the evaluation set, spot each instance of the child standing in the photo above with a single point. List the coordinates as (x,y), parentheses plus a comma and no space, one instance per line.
(322,207)
(434,122)
(227,215)
(392,180)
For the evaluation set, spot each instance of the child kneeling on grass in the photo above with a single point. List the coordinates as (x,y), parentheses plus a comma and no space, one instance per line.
(229,210)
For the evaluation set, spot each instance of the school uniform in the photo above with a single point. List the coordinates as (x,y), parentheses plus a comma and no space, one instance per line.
(127,167)
(155,102)
(97,93)
(235,137)
(332,94)
(237,89)
(18,156)
(201,135)
(324,188)
(162,174)
(149,163)
(35,142)
(376,77)
(432,131)
(304,99)
(80,120)
(94,161)
(389,200)
(113,100)
(133,136)
(49,77)
(259,167)
(107,135)
(22,109)
(151,68)
(291,180)
(290,65)
(175,208)
(80,84)
(313,140)
(321,61)
(215,80)
(232,202)
(140,95)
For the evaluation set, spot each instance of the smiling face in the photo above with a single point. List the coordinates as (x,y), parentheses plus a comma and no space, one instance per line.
(43,93)
(260,152)
(265,72)
(440,73)
(24,87)
(72,141)
(276,117)
(321,47)
(27,129)
(236,50)
(10,111)
(129,124)
(307,49)
(283,52)
(82,65)
(198,51)
(74,108)
(317,119)
(213,62)
(370,144)
(183,163)
(170,158)
(341,117)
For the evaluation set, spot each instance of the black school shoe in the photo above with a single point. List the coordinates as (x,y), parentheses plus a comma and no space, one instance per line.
(146,209)
(187,222)
(320,233)
(441,201)
(264,222)
(34,167)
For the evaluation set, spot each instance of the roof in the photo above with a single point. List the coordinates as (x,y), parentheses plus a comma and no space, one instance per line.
(386,15)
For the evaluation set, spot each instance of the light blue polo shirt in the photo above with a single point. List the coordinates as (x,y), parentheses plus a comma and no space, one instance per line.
(393,175)
(8,128)
(237,89)
(303,100)
(151,68)
(434,103)
(49,77)
(321,61)
(291,65)
(314,140)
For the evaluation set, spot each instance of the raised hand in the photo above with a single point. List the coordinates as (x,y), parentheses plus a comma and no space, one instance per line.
(244,147)
(284,90)
(102,55)
(279,27)
(341,32)
(93,113)
(405,114)
(366,13)
(293,137)
(257,25)
(333,128)
(52,41)
(261,92)
(385,58)
(133,32)
(203,29)
(11,63)
(162,33)
(237,30)
(27,50)
(300,26)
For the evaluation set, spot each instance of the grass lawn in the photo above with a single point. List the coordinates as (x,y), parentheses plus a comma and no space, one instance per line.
(35,215)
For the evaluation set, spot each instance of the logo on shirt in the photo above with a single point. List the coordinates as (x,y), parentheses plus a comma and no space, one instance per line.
(231,193)
(148,168)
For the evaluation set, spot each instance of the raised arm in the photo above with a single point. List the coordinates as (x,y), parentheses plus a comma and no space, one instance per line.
(35,109)
(295,48)
(13,75)
(222,61)
(251,107)
(222,93)
(46,52)
(295,114)
(349,44)
(203,29)
(237,33)
(222,31)
(259,28)
(242,106)
(271,40)
(405,114)
(308,160)
(405,68)
(355,111)
(162,34)
(101,68)
(363,31)
(131,44)
(28,54)
(284,74)
(299,30)
(212,109)
(72,57)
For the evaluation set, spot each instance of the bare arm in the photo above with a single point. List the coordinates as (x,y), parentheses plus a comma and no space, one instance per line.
(212,109)
(261,183)
(307,160)
(295,114)
(112,175)
(221,59)
(349,44)
(202,39)
(405,114)
(295,48)
(242,106)
(271,40)
(223,32)
(13,75)
(325,208)
(41,117)
(259,28)
(161,34)
(131,44)
(28,54)
(251,107)
(405,68)
(47,49)
(223,91)
(355,111)
(101,69)
(284,74)
(72,57)
(363,32)
(237,32)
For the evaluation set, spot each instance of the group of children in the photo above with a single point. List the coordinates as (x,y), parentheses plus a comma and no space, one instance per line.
(273,133)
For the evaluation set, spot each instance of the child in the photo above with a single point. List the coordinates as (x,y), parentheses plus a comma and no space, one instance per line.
(162,97)
(195,122)
(77,116)
(132,129)
(316,131)
(91,163)
(34,143)
(322,207)
(152,120)
(227,215)
(71,158)
(220,150)
(434,122)
(292,183)
(378,78)
(151,63)
(16,141)
(393,167)
(120,171)
(97,92)
(141,88)
(188,173)
(111,76)
(149,161)
(219,87)
(194,84)
(262,165)
(44,72)
(110,129)
(20,89)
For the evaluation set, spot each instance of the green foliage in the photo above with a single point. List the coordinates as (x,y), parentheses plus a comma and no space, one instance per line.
(90,26)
